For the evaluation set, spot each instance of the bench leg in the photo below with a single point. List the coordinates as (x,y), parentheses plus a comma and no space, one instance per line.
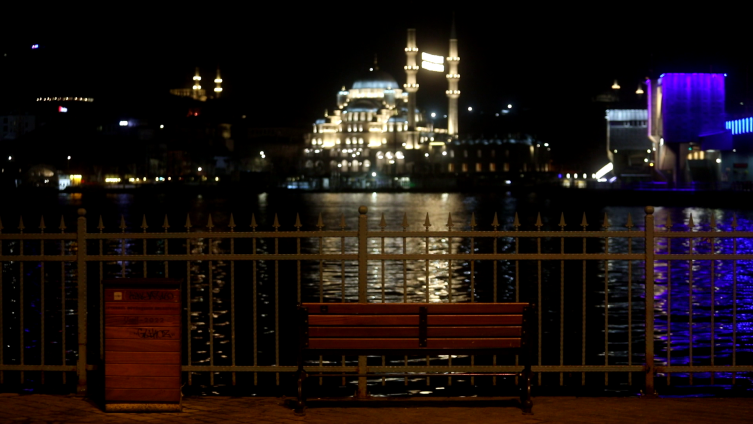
(300,406)
(525,392)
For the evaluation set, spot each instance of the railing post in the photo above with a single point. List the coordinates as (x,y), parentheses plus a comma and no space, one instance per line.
(362,289)
(362,248)
(82,307)
(649,240)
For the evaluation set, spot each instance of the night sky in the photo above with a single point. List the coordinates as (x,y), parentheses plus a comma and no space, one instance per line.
(283,65)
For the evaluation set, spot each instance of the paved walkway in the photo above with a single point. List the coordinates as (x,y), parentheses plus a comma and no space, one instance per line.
(49,409)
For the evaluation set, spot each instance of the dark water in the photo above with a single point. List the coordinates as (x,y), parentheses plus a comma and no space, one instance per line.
(617,284)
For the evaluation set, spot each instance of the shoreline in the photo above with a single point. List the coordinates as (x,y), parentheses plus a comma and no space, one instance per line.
(609,196)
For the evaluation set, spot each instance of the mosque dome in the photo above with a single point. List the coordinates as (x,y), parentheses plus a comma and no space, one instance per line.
(364,105)
(375,79)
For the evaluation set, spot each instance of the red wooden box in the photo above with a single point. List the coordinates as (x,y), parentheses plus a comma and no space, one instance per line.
(142,332)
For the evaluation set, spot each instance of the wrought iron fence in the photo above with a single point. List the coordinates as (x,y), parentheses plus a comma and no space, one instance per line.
(596,292)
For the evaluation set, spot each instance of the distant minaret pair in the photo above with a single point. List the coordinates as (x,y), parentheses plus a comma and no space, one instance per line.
(453,77)
(197,92)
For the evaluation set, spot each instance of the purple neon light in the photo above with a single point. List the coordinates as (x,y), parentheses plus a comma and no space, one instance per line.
(650,99)
(692,104)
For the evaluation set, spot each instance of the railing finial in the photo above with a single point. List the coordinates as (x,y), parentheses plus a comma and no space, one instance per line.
(231,224)
(605,224)
(297,224)
(734,222)
(629,224)
(449,222)
(41,224)
(427,224)
(320,222)
(583,222)
(21,224)
(713,222)
(473,220)
(382,223)
(143,223)
(516,222)
(363,210)
(562,221)
(210,224)
(405,221)
(253,223)
(668,224)
(62,226)
(122,223)
(538,224)
(276,223)
(649,210)
(165,224)
(691,224)
(188,222)
(100,225)
(495,222)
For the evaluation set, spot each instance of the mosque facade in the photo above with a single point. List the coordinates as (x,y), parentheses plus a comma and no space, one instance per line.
(377,137)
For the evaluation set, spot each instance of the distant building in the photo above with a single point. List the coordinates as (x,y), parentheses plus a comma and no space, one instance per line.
(628,147)
(14,126)
(687,126)
(196,91)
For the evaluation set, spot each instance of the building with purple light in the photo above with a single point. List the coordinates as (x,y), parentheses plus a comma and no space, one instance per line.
(687,127)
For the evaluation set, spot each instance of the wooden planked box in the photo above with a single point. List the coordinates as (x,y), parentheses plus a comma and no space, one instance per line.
(142,341)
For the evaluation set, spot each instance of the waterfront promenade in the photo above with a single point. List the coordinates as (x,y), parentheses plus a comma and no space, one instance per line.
(50,409)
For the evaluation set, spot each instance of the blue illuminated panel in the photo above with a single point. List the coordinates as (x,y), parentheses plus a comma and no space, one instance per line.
(692,105)
(740,126)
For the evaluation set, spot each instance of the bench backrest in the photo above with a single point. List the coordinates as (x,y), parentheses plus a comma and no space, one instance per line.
(413,326)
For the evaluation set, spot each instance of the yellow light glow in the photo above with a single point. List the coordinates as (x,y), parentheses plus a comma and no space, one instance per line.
(218,89)
(197,78)
(218,80)
(112,180)
(432,58)
(430,66)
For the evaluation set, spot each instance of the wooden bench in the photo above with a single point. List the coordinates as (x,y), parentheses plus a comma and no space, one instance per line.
(417,329)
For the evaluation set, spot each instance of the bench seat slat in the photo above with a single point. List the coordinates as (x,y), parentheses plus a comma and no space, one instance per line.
(395,332)
(412,308)
(409,320)
(412,343)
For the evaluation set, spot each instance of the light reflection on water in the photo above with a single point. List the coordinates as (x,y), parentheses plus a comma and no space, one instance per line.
(407,281)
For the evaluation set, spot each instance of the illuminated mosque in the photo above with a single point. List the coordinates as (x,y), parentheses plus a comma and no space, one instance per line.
(377,128)
(196,91)
(377,137)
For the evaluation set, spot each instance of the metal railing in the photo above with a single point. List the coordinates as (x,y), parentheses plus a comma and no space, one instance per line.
(372,265)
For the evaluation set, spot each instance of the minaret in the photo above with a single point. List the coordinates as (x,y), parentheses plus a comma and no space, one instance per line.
(452,79)
(196,93)
(218,82)
(410,77)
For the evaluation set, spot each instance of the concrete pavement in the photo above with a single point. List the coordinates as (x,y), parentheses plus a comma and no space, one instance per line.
(48,409)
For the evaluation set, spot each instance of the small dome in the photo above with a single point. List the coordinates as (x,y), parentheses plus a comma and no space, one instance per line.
(375,79)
